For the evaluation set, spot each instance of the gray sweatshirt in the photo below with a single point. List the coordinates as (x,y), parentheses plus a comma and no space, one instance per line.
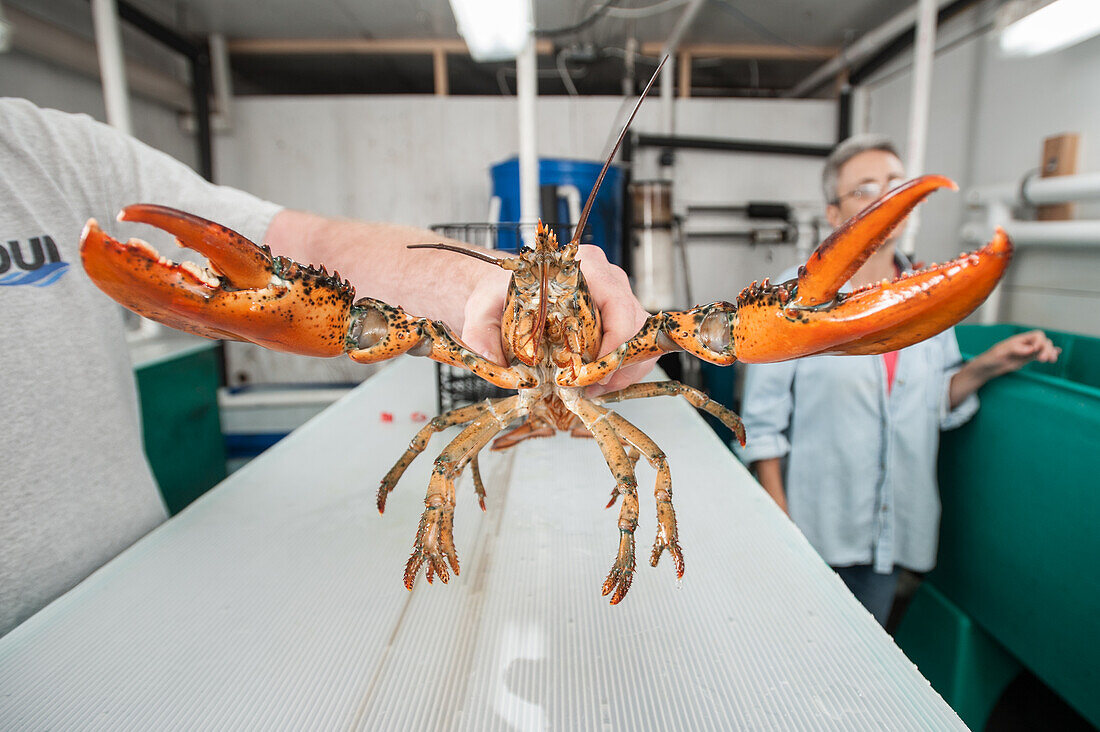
(75,488)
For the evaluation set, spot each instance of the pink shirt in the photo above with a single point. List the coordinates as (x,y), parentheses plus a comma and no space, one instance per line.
(891,361)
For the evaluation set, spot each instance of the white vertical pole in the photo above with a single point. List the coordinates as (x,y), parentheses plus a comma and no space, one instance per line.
(668,78)
(918,107)
(527,93)
(219,72)
(991,310)
(861,103)
(628,66)
(112,69)
(116,95)
(668,101)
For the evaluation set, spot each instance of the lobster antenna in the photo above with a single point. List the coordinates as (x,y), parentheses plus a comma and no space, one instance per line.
(592,196)
(460,250)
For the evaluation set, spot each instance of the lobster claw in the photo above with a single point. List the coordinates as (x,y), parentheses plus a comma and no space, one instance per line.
(810,316)
(245,294)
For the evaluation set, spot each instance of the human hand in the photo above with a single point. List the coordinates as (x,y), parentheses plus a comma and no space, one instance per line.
(622,315)
(484,309)
(1014,353)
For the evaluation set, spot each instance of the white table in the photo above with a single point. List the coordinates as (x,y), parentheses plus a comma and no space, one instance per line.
(276,601)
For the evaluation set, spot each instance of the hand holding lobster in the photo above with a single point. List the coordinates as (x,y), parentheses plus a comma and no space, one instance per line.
(621,314)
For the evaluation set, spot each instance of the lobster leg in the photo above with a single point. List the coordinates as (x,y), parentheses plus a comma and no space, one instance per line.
(698,399)
(703,331)
(479,486)
(462,415)
(667,537)
(633,456)
(380,331)
(621,575)
(533,427)
(435,538)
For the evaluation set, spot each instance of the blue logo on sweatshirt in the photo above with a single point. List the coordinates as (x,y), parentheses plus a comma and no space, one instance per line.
(38,264)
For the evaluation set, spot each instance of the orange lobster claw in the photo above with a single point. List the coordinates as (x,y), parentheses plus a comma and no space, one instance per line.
(810,316)
(245,294)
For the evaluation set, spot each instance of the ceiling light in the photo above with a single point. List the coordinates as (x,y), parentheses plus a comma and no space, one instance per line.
(1031,27)
(494,30)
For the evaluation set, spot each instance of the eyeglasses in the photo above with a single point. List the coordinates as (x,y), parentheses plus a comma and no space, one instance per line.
(871,190)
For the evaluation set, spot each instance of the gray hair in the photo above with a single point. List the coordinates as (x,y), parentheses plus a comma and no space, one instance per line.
(844,152)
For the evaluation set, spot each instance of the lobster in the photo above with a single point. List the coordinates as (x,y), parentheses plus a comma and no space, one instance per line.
(550,337)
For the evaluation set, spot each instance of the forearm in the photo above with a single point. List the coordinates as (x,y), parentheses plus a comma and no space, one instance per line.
(971,377)
(374,258)
(770,474)
(1003,358)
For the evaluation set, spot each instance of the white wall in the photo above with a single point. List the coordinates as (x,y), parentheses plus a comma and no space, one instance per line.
(54,87)
(988,120)
(425,160)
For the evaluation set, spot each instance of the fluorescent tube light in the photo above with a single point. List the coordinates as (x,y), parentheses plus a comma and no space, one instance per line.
(1031,27)
(494,30)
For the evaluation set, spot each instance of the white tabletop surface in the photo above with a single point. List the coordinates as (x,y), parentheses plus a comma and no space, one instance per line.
(276,601)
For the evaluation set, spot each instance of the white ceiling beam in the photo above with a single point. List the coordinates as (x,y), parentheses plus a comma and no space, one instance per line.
(366,46)
(759,51)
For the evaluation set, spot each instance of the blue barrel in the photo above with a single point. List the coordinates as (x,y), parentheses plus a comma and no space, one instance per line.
(604,227)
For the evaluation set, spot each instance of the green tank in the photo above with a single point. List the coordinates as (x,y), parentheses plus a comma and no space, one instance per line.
(1016,583)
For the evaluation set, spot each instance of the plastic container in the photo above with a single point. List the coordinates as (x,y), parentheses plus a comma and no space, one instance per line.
(604,227)
(654,261)
(1018,536)
(255,417)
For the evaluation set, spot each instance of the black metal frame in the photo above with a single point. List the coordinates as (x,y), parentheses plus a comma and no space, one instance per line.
(673,142)
(458,387)
(198,55)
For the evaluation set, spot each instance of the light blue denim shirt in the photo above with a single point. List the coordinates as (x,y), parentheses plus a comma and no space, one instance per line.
(860,462)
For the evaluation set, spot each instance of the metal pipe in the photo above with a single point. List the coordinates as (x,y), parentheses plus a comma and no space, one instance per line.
(844,114)
(668,117)
(758,51)
(116,96)
(360,46)
(865,46)
(223,85)
(628,66)
(1033,233)
(200,95)
(527,95)
(1035,190)
(1025,234)
(683,23)
(155,29)
(990,310)
(997,201)
(860,103)
(867,68)
(918,109)
(714,143)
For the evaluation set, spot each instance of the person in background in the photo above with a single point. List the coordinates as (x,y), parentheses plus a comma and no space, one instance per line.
(859,435)
(75,488)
